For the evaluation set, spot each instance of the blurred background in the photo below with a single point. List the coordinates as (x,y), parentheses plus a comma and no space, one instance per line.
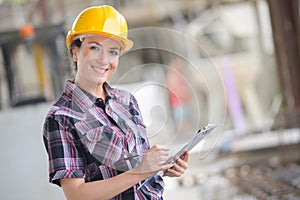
(233,63)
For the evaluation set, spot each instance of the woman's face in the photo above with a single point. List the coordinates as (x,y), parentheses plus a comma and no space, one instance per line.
(97,60)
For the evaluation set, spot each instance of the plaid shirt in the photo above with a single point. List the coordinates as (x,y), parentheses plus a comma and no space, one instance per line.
(84,140)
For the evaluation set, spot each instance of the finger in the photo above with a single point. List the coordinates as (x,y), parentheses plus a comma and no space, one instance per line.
(185,156)
(158,147)
(182,163)
(162,154)
(178,168)
(157,150)
(157,154)
(171,172)
(166,166)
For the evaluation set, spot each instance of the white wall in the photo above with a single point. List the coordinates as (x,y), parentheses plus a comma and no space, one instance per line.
(23,158)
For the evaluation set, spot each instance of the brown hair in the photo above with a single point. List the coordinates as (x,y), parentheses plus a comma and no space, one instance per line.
(75,43)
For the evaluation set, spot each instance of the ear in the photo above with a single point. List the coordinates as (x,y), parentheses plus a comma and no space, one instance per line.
(74,54)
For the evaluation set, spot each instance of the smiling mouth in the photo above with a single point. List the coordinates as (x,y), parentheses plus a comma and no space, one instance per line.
(100,70)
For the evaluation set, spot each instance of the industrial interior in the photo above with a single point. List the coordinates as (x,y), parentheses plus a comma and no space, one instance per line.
(237,63)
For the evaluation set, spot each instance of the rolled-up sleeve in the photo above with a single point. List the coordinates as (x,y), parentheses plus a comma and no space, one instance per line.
(65,161)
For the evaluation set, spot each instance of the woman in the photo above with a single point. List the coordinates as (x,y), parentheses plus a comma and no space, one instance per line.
(94,134)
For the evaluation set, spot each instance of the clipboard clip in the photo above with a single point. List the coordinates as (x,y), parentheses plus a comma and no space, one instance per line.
(208,127)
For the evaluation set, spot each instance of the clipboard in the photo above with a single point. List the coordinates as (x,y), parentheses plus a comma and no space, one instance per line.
(187,147)
(192,142)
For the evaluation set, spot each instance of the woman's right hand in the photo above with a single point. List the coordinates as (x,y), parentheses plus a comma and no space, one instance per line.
(153,161)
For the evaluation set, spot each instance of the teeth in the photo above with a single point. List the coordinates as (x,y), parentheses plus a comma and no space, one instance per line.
(99,70)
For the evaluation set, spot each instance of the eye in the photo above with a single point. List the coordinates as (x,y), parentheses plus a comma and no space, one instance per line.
(114,52)
(94,48)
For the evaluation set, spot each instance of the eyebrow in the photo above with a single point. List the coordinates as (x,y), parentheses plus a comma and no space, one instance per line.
(99,44)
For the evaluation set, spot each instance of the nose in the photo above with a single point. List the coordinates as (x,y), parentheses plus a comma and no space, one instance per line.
(103,57)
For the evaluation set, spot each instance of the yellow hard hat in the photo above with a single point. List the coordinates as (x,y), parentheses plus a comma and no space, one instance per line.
(100,20)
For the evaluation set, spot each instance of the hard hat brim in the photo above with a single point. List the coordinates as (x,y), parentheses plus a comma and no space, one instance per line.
(126,43)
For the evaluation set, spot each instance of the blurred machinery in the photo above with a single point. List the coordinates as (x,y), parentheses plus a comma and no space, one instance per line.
(266,174)
(38,45)
(32,51)
(286,33)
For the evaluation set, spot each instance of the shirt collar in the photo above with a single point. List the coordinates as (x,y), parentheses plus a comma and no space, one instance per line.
(80,99)
(84,100)
(116,94)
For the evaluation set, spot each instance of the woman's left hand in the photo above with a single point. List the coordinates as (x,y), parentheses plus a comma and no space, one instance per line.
(178,167)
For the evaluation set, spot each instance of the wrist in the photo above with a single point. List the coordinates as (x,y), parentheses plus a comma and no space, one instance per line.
(136,175)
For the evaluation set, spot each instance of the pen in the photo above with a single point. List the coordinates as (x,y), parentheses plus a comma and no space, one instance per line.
(130,158)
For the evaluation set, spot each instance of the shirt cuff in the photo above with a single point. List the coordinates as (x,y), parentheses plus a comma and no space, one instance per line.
(60,174)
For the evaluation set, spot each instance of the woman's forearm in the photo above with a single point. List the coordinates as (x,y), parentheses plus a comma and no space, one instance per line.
(77,189)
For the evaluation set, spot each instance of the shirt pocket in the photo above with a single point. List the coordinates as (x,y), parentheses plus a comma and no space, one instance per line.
(91,136)
(96,134)
(102,142)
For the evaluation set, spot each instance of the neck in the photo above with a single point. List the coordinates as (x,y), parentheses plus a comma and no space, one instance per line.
(96,90)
